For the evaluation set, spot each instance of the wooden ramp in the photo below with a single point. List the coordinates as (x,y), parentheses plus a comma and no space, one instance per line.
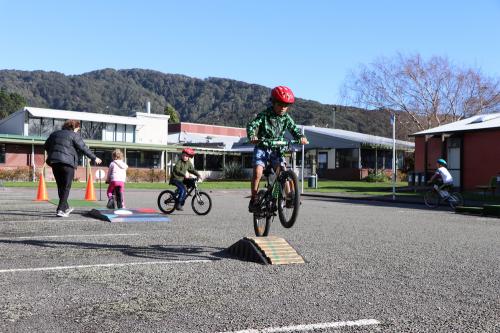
(269,250)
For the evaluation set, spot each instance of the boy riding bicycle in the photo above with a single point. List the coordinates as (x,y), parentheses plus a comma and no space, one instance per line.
(442,177)
(178,177)
(271,124)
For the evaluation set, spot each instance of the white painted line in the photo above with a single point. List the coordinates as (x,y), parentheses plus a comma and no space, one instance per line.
(311,327)
(57,268)
(64,236)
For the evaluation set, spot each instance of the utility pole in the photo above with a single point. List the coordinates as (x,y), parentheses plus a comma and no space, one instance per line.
(333,116)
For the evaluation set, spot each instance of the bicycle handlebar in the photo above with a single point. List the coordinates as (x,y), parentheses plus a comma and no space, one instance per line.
(278,143)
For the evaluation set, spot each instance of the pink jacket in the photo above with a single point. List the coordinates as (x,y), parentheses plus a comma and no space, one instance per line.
(117,171)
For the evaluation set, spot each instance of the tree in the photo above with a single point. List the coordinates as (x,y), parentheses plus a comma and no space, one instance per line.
(174,116)
(10,103)
(430,92)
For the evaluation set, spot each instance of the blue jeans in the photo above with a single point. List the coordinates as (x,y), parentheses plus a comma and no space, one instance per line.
(182,190)
(262,156)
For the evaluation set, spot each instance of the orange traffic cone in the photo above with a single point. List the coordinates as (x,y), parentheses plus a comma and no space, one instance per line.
(90,193)
(42,190)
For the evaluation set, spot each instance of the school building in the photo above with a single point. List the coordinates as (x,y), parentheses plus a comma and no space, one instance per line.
(149,142)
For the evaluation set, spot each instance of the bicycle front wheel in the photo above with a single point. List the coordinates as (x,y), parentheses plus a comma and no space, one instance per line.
(166,201)
(288,203)
(262,217)
(431,199)
(201,203)
(455,199)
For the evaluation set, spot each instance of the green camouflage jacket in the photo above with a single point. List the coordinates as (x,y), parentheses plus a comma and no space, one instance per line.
(269,125)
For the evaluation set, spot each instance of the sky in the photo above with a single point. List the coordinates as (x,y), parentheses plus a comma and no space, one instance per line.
(310,46)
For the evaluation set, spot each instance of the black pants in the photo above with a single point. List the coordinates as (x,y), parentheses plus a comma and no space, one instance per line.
(63,173)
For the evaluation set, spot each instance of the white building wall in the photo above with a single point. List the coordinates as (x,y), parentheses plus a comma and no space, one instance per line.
(14,124)
(153,128)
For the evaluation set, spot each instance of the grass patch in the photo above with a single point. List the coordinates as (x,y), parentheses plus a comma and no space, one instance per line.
(358,187)
(80,203)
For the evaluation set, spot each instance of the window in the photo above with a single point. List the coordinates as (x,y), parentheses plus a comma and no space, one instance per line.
(91,130)
(58,124)
(384,159)
(120,132)
(368,158)
(323,160)
(347,158)
(47,127)
(198,162)
(109,132)
(34,126)
(129,133)
(247,161)
(144,159)
(214,162)
(2,153)
(104,155)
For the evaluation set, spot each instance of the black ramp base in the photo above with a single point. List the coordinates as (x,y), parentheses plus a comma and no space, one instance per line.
(246,250)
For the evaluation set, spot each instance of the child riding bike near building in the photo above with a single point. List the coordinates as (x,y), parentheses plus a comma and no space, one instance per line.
(178,177)
(271,124)
(442,178)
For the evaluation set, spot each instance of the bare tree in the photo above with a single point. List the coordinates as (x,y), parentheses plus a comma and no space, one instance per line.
(430,92)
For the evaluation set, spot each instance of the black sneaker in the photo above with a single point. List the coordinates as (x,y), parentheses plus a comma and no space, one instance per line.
(179,207)
(111,203)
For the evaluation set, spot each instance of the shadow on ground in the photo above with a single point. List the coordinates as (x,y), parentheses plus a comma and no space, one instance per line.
(161,252)
(374,201)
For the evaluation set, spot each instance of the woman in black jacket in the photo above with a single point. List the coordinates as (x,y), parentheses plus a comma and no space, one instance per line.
(62,149)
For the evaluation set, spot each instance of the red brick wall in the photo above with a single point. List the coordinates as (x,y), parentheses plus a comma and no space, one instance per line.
(481,158)
(419,154)
(434,152)
(20,155)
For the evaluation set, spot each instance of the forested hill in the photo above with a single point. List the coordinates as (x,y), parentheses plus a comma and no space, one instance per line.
(212,101)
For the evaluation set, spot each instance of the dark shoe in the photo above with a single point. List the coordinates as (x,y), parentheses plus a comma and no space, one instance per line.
(111,203)
(252,206)
(179,207)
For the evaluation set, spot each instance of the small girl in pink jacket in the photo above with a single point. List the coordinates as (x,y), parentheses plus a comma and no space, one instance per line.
(117,174)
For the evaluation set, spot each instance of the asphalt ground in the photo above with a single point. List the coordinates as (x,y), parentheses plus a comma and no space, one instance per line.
(384,267)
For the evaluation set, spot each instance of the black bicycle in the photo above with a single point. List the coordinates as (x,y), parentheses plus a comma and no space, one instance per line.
(281,194)
(201,202)
(434,196)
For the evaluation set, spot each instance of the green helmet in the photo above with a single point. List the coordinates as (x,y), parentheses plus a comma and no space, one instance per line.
(442,162)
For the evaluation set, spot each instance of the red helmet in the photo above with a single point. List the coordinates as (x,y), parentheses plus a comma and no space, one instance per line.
(188,151)
(283,94)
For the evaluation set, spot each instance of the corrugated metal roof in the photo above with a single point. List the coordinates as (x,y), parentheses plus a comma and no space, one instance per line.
(337,138)
(85,116)
(474,123)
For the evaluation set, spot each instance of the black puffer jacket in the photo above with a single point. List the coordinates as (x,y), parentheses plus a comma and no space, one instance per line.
(63,146)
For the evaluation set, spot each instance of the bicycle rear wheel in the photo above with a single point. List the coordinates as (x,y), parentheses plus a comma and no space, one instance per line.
(455,199)
(288,204)
(262,217)
(431,199)
(166,201)
(201,203)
